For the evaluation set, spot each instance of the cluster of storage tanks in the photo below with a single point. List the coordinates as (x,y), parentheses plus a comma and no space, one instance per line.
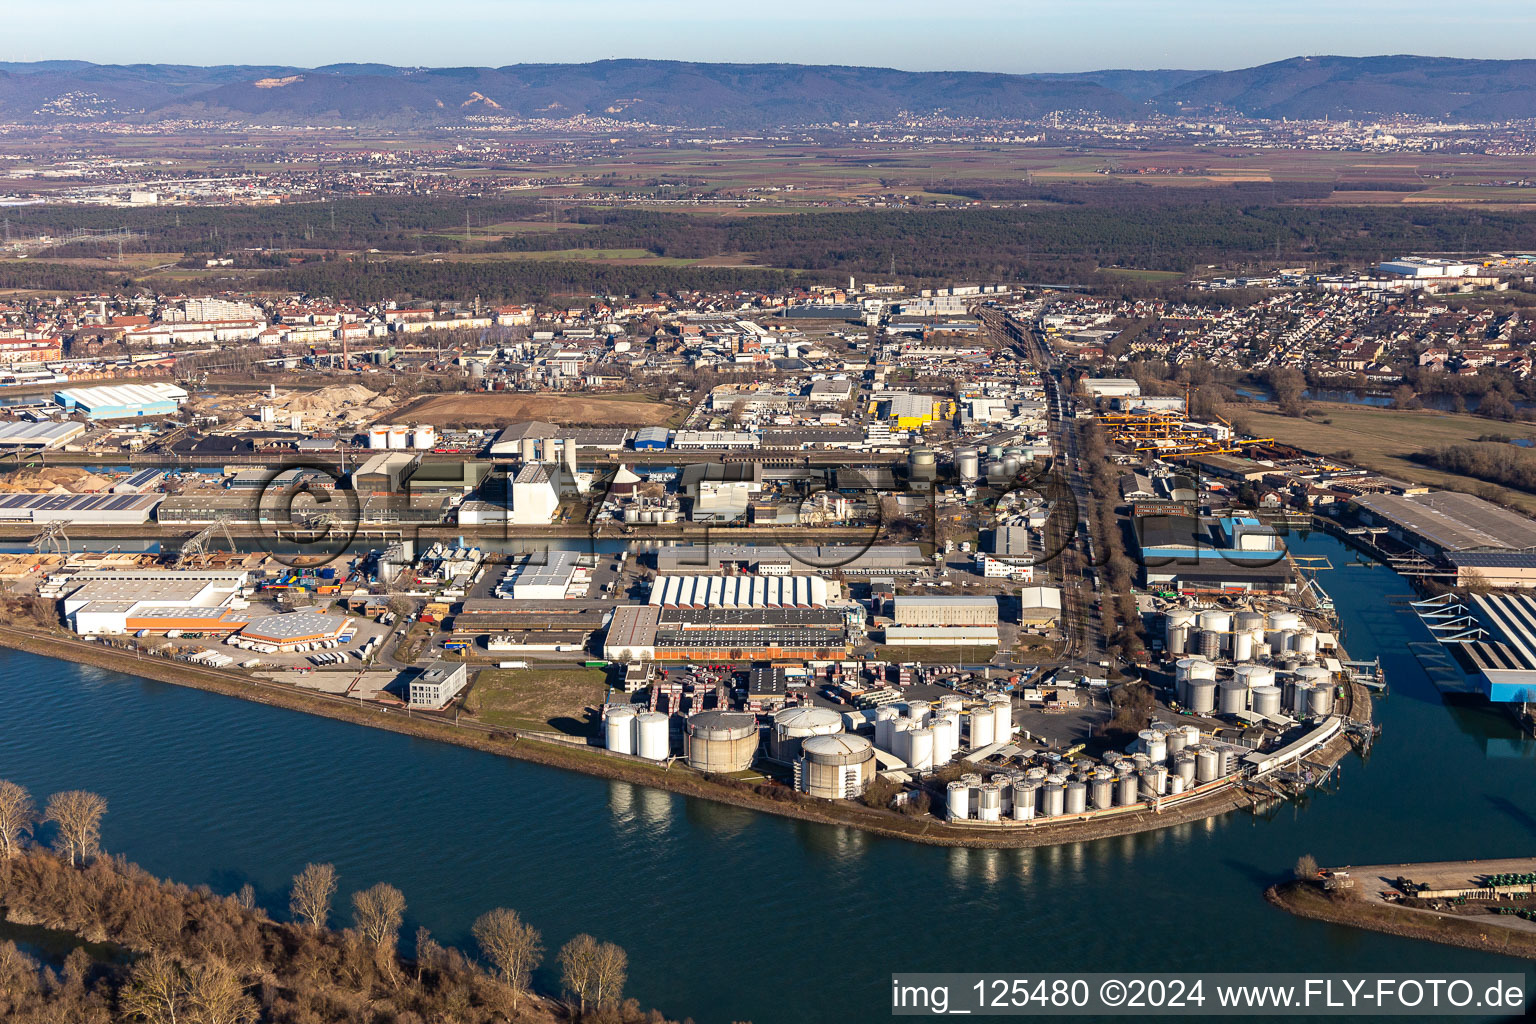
(828,762)
(1302,692)
(400,437)
(1166,761)
(1240,636)
(553,450)
(629,730)
(636,514)
(927,737)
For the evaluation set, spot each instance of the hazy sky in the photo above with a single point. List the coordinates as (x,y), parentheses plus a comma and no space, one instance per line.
(986,35)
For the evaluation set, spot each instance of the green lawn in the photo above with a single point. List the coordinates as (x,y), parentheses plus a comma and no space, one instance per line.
(548,699)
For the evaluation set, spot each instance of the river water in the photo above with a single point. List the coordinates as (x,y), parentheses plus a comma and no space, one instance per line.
(732,915)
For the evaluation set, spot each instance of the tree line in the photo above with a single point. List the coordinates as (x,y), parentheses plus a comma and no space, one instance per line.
(191,956)
(1495,463)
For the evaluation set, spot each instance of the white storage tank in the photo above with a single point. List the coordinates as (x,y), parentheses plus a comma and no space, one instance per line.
(1320,700)
(1202,696)
(1305,643)
(1178,623)
(398,435)
(885,728)
(958,801)
(915,747)
(1234,697)
(425,438)
(1184,767)
(990,805)
(792,726)
(1025,800)
(378,438)
(1002,717)
(1266,700)
(653,731)
(946,740)
(1255,676)
(1207,765)
(1077,798)
(983,727)
(1129,786)
(834,767)
(1054,802)
(619,730)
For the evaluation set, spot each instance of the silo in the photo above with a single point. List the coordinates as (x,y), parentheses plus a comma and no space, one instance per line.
(619,730)
(722,741)
(983,725)
(835,767)
(958,801)
(425,437)
(528,449)
(1207,765)
(1320,701)
(1202,696)
(399,435)
(1054,801)
(1234,697)
(1103,793)
(1077,798)
(1177,625)
(793,726)
(1025,800)
(296,422)
(968,465)
(1128,785)
(378,438)
(1266,701)
(990,805)
(946,740)
(1002,717)
(569,448)
(922,464)
(653,730)
(885,727)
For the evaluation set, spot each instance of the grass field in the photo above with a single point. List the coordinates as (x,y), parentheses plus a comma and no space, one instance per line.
(575,409)
(1385,439)
(539,698)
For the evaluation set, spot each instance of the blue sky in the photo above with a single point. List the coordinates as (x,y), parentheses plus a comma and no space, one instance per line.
(983,35)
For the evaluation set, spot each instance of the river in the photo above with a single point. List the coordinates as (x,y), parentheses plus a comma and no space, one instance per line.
(729,914)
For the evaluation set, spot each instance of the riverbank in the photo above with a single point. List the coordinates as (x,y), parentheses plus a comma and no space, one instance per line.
(1305,900)
(674,777)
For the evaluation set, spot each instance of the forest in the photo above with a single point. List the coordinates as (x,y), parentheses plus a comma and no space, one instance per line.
(148,951)
(1495,462)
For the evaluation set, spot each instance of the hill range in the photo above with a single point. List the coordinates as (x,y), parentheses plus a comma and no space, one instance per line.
(756,96)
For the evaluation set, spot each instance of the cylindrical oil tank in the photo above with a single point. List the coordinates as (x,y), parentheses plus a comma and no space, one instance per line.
(995,451)
(1154,782)
(989,803)
(1036,774)
(653,731)
(968,465)
(1305,643)
(1176,742)
(1234,697)
(1103,793)
(919,712)
(995,471)
(1140,761)
(1279,621)
(1184,767)
(1189,669)
(793,725)
(1178,623)
(1242,646)
(1214,620)
(1255,676)
(1191,735)
(1248,622)
(1054,801)
(1077,797)
(958,801)
(398,435)
(1207,765)
(1209,644)
(1320,700)
(424,438)
(946,740)
(1301,697)
(1011,466)
(378,438)
(922,464)
(951,702)
(885,727)
(915,746)
(835,766)
(1002,717)
(1266,700)
(632,514)
(722,741)
(1128,785)
(1175,785)
(619,730)
(1202,696)
(983,726)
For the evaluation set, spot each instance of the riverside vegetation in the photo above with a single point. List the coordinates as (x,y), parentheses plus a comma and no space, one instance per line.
(153,952)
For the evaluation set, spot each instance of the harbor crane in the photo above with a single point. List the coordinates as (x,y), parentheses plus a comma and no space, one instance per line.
(54,538)
(196,546)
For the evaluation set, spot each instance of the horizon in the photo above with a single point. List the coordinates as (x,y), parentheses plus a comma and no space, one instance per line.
(1092,35)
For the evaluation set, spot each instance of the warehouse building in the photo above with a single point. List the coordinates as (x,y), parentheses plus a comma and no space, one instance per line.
(651,438)
(130,601)
(123,401)
(542,576)
(38,436)
(922,621)
(384,473)
(632,633)
(1502,570)
(1444,522)
(739,592)
(438,684)
(288,631)
(1493,636)
(85,509)
(729,634)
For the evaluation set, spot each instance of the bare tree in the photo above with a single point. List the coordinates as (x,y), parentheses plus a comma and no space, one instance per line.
(511,945)
(379,909)
(216,995)
(78,814)
(578,968)
(156,992)
(1306,868)
(17,816)
(313,889)
(610,969)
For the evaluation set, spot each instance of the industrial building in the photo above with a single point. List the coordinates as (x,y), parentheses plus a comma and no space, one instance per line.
(542,576)
(438,684)
(534,501)
(287,631)
(156,601)
(384,473)
(632,633)
(651,438)
(39,435)
(739,592)
(123,401)
(922,621)
(77,508)
(781,560)
(1010,556)
(1494,636)
(1500,570)
(1039,607)
(726,634)
(1443,522)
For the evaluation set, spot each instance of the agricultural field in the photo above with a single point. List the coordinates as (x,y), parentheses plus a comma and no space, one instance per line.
(546,699)
(497,408)
(1385,439)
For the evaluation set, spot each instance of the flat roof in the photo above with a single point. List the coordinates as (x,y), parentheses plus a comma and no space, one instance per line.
(1453,521)
(633,625)
(21,432)
(294,625)
(551,569)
